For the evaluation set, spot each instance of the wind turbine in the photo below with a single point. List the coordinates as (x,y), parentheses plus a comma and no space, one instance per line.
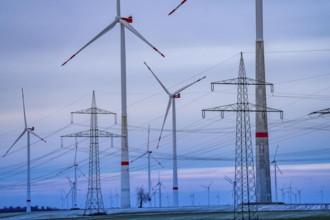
(321,192)
(218,199)
(232,182)
(124,23)
(28,131)
(74,183)
(283,193)
(149,156)
(184,1)
(159,185)
(73,193)
(171,101)
(208,192)
(192,197)
(276,168)
(299,194)
(290,192)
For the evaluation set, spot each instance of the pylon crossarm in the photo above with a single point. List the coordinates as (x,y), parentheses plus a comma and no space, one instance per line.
(94,110)
(88,134)
(107,134)
(222,109)
(242,81)
(247,107)
(321,112)
(259,108)
(78,134)
(139,157)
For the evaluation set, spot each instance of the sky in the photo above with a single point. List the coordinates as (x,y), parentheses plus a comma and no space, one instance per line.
(202,38)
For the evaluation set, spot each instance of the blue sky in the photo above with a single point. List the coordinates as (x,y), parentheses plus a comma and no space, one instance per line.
(201,38)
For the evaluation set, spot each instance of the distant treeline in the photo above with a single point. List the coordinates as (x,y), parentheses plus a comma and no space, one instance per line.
(22,209)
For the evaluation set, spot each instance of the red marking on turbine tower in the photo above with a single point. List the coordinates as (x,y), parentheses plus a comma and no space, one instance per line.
(124,163)
(261,134)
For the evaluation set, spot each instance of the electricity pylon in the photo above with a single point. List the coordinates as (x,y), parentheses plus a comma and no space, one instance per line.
(94,201)
(245,200)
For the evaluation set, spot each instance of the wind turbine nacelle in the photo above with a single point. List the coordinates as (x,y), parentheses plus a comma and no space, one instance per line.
(128,20)
(177,96)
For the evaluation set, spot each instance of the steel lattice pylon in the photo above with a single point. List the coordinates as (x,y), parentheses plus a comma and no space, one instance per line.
(245,201)
(245,196)
(94,201)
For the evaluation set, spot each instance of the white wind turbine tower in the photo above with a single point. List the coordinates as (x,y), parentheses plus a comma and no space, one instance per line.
(149,152)
(28,131)
(124,23)
(208,192)
(171,101)
(276,167)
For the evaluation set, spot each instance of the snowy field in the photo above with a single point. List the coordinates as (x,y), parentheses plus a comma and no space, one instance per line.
(306,211)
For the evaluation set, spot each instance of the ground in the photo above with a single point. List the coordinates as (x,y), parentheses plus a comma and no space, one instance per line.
(269,212)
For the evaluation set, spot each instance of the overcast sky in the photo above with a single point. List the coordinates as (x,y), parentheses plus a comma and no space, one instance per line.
(202,38)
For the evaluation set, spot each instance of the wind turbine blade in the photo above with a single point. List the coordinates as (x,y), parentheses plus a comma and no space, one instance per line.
(167,110)
(130,27)
(36,135)
(69,180)
(177,7)
(24,109)
(183,88)
(229,180)
(81,172)
(67,195)
(275,153)
(139,157)
(157,162)
(14,143)
(105,30)
(75,153)
(148,139)
(278,168)
(157,79)
(68,168)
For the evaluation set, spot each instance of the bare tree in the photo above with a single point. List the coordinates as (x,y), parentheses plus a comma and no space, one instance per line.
(142,196)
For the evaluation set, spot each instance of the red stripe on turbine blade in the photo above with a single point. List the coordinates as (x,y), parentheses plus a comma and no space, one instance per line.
(69,59)
(175,188)
(124,163)
(171,12)
(177,7)
(261,134)
(158,52)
